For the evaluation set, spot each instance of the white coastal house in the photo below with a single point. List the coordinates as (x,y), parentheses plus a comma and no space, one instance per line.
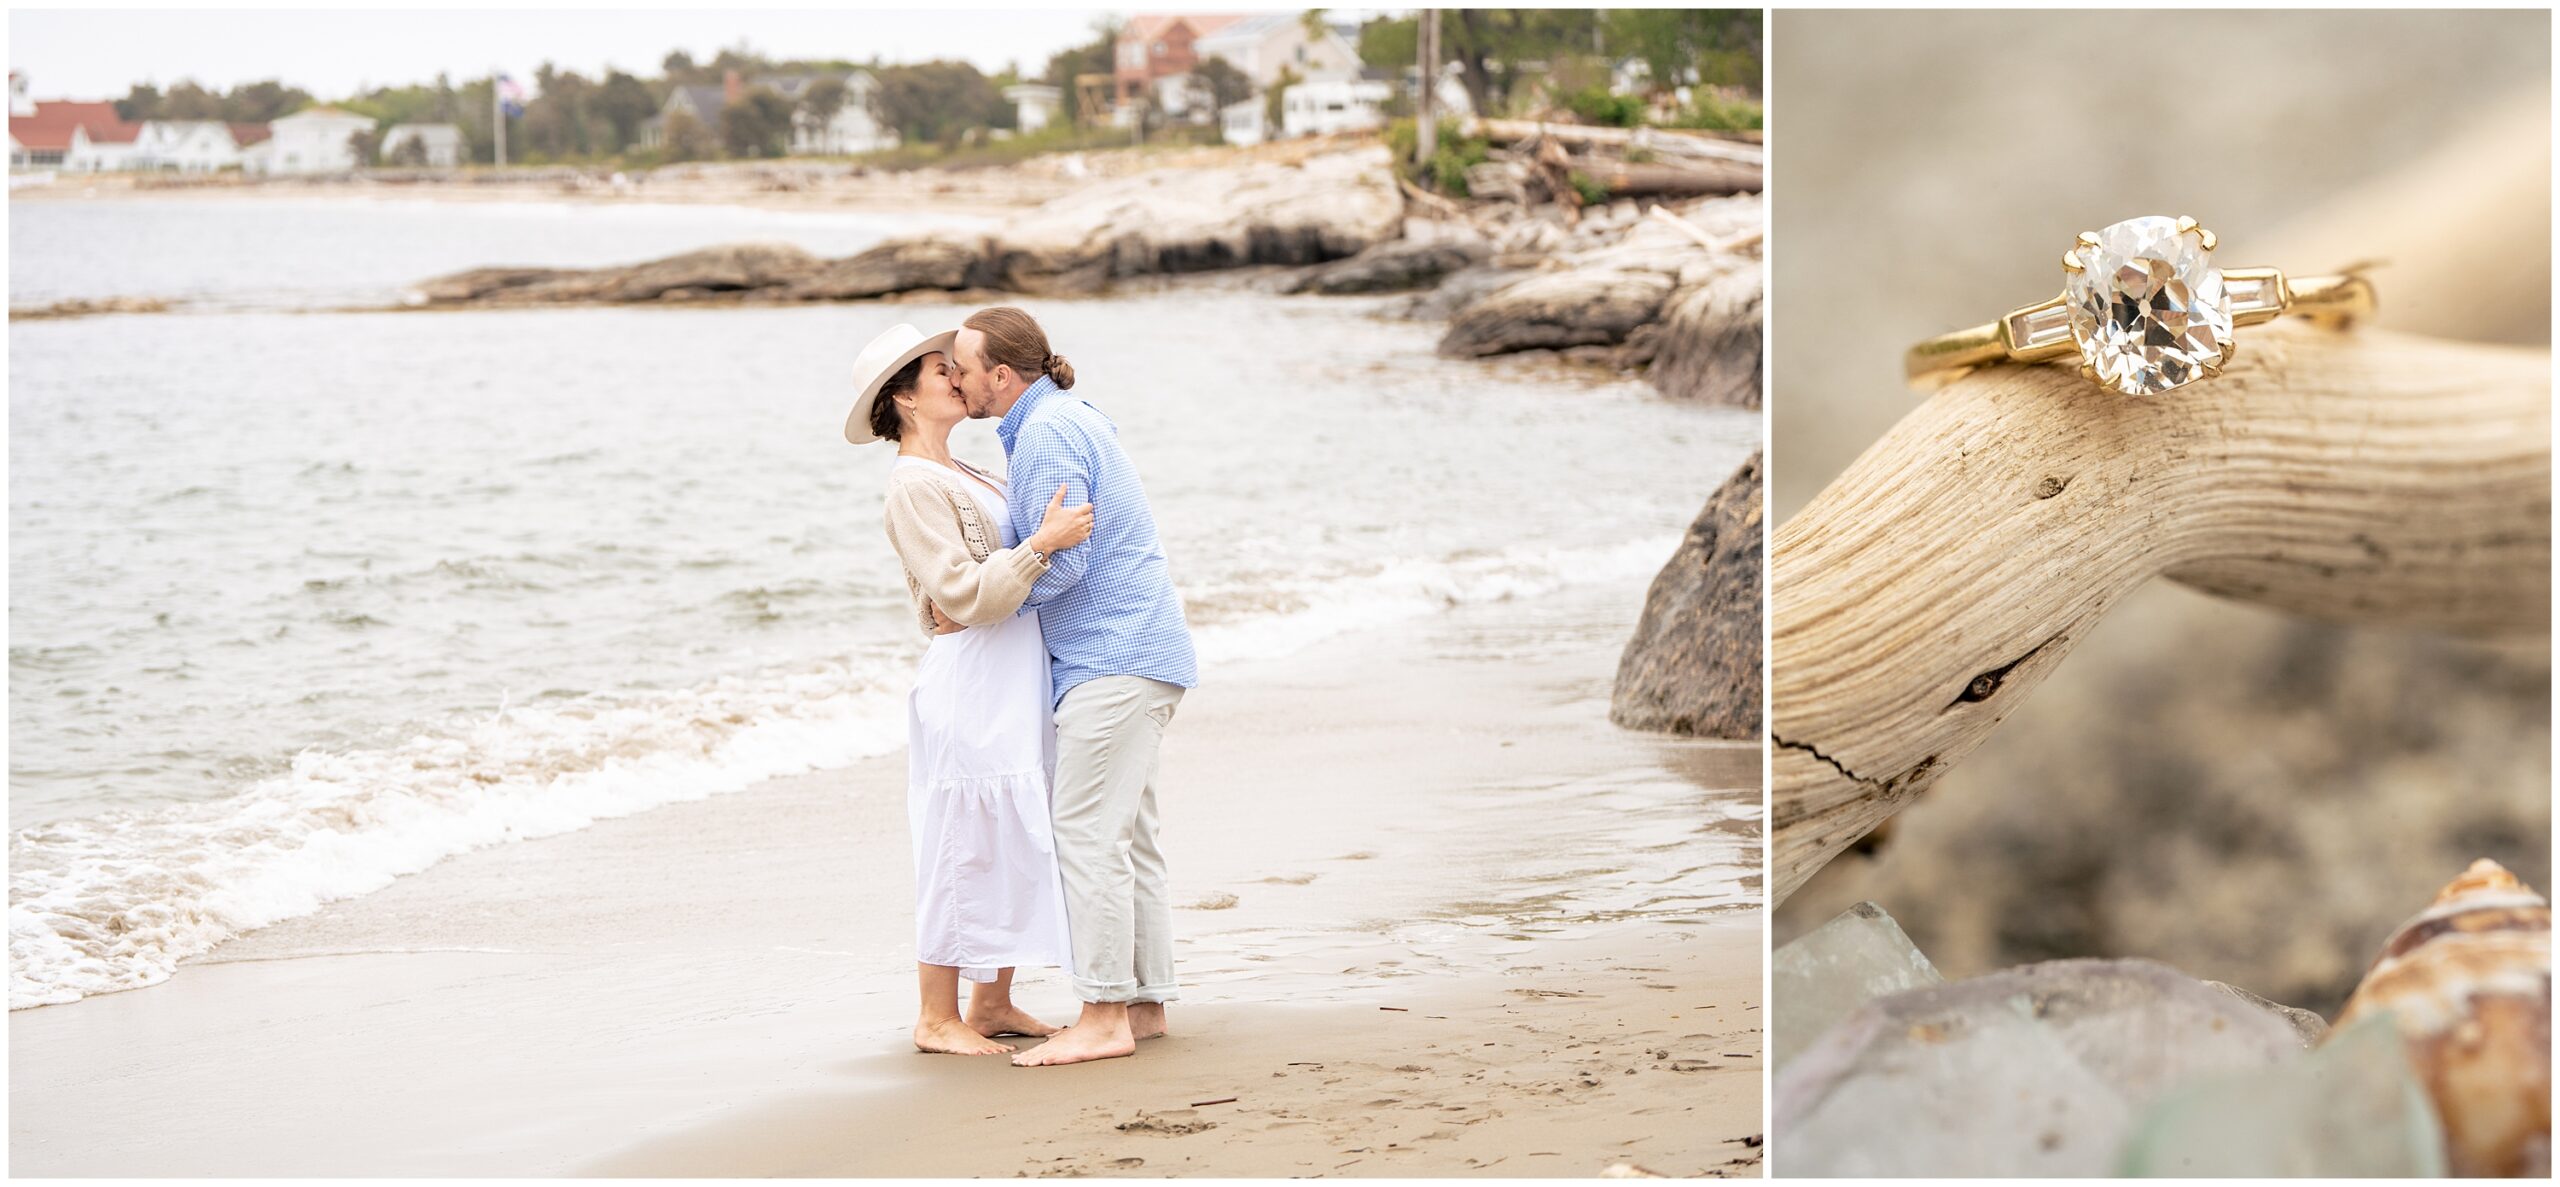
(312,140)
(1265,44)
(1242,122)
(186,146)
(440,143)
(1035,105)
(1333,105)
(851,129)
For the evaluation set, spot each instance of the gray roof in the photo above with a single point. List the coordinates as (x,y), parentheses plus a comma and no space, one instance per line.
(707,100)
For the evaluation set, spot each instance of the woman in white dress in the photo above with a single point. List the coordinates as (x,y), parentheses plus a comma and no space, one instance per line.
(980,743)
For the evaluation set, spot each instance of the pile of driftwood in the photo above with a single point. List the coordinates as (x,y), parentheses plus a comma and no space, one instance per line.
(1534,163)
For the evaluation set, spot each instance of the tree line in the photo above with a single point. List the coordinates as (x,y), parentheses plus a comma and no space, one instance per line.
(1497,50)
(571,116)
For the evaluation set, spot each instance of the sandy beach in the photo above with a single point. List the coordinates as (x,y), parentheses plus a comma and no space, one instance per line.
(1440,918)
(793,184)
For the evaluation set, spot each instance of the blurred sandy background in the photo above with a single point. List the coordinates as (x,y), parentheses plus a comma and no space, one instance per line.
(2249,798)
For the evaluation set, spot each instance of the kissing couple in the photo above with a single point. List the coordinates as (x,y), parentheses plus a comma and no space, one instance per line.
(1058,652)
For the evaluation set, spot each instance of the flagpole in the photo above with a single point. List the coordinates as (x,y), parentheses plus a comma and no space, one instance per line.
(498,115)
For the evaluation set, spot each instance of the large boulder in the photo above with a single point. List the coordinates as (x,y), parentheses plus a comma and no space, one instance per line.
(899,266)
(1392,266)
(1457,291)
(1693,666)
(734,268)
(1590,307)
(1706,344)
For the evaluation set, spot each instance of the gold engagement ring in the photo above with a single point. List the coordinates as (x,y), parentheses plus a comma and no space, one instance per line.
(2144,309)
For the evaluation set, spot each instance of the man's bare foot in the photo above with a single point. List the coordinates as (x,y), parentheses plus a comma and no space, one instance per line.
(1146,1020)
(1078,1044)
(1007,1019)
(951,1036)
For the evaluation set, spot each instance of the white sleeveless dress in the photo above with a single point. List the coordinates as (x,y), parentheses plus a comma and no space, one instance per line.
(980,751)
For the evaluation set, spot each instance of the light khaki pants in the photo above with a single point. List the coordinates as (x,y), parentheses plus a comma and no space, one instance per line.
(1102,806)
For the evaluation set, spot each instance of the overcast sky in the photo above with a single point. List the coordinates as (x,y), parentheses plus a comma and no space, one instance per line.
(94,54)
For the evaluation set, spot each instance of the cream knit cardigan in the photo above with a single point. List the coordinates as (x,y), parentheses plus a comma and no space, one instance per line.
(948,551)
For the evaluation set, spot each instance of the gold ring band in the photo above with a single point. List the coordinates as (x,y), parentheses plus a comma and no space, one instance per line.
(2046,331)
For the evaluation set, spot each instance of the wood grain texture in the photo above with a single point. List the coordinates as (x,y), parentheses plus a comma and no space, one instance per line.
(2363,477)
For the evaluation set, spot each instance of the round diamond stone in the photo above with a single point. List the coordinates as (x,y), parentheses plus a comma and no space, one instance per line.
(2147,306)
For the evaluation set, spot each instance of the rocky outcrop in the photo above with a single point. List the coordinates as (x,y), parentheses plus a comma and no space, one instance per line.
(1705,344)
(900,266)
(1165,221)
(89,307)
(1693,666)
(761,269)
(745,267)
(1198,220)
(1662,292)
(1393,266)
(488,285)
(1592,307)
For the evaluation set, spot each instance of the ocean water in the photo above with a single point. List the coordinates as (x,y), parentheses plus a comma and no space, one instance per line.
(334,252)
(302,601)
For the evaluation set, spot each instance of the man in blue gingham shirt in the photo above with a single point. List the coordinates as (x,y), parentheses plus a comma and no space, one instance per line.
(1120,658)
(1107,605)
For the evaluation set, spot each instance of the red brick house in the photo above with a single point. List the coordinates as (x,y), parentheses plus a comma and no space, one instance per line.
(1158,46)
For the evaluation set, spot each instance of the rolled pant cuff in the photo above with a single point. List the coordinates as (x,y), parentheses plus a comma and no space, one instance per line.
(1159,994)
(1105,992)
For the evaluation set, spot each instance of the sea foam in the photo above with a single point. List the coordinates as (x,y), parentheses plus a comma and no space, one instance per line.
(118,900)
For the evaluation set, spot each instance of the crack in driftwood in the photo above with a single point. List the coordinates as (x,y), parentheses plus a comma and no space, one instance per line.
(1827,760)
(2375,491)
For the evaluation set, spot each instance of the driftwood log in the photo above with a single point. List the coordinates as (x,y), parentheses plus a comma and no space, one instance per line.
(1661,141)
(2362,477)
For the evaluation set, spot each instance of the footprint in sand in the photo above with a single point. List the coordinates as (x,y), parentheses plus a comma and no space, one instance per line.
(1216,902)
(1174,1123)
(1290,879)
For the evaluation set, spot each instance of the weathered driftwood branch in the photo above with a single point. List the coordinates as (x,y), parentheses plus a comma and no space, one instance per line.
(1639,180)
(2363,477)
(1661,141)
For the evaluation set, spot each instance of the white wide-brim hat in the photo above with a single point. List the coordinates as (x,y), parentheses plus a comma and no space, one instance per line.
(896,347)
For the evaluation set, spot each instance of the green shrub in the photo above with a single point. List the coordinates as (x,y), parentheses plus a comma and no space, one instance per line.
(1451,157)
(1708,112)
(1593,193)
(1594,104)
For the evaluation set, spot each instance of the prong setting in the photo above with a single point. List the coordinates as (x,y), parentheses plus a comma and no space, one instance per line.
(2147,308)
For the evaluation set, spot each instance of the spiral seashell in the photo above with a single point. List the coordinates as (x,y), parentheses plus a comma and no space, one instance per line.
(2468,982)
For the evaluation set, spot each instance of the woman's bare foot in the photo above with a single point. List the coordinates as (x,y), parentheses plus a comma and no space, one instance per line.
(1146,1020)
(951,1036)
(1078,1044)
(1007,1019)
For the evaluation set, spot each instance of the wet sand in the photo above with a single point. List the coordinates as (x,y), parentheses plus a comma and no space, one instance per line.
(1439,918)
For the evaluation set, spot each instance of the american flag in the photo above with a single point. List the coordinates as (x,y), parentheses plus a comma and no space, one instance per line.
(510,96)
